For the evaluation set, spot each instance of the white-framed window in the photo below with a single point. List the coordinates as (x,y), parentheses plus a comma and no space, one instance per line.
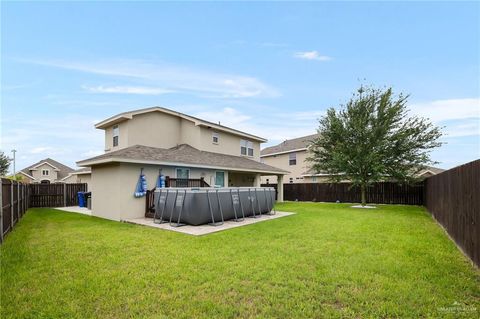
(292,159)
(45,172)
(246,148)
(182,172)
(215,137)
(116,132)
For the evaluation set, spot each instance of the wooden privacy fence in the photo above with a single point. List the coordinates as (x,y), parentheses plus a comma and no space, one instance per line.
(13,204)
(55,195)
(453,199)
(379,193)
(16,198)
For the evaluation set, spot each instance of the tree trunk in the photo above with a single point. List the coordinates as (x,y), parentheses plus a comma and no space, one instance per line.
(364,200)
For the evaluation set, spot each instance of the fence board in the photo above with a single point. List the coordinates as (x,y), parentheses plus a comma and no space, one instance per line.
(378,193)
(6,206)
(453,199)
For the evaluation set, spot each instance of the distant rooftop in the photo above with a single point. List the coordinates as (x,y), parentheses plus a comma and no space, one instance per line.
(299,143)
(62,170)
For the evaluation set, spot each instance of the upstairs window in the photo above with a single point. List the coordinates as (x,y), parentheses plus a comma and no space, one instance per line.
(215,138)
(250,148)
(246,147)
(115,135)
(45,172)
(292,159)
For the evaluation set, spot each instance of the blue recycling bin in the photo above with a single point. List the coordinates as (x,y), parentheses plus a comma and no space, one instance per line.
(81,199)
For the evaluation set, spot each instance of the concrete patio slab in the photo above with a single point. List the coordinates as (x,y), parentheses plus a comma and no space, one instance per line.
(207,229)
(76,209)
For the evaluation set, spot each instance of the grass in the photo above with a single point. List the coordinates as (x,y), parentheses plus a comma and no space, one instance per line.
(327,261)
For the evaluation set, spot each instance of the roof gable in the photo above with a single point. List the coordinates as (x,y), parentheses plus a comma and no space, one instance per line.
(197,121)
(296,144)
(44,163)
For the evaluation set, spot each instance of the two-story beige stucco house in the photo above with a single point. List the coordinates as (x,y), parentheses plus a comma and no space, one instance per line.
(291,155)
(46,171)
(182,146)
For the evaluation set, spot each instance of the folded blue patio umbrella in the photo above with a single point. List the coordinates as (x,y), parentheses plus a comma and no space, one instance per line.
(141,189)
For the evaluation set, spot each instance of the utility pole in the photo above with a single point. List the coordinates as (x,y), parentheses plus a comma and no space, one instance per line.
(14,151)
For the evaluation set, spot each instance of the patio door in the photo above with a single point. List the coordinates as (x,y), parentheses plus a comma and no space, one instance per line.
(220,179)
(183,173)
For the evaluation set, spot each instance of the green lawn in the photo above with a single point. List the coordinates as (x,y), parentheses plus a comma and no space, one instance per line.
(327,261)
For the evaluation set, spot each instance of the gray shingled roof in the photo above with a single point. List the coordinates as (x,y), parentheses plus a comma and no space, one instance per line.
(184,154)
(83,170)
(289,145)
(64,170)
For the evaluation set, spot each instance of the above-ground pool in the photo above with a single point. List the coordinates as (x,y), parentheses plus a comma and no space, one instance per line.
(197,206)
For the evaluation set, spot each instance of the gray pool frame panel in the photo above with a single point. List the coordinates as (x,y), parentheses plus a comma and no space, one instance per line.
(198,206)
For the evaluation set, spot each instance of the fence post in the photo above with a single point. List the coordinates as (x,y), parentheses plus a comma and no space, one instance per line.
(24,208)
(1,210)
(64,194)
(11,206)
(18,202)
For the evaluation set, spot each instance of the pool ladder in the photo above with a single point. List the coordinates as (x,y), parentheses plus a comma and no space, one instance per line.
(252,199)
(236,198)
(179,201)
(214,223)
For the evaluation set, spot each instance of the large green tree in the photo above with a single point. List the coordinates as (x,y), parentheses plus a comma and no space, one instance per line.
(372,138)
(4,164)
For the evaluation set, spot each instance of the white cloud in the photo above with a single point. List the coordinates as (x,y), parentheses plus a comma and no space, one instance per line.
(227,116)
(64,138)
(177,78)
(468,127)
(91,153)
(461,117)
(275,127)
(126,90)
(311,55)
(301,116)
(445,110)
(40,149)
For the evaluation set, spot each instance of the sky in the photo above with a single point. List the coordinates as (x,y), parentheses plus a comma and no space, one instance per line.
(271,69)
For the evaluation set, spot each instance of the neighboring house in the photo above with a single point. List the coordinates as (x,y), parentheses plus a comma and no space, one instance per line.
(429,171)
(46,171)
(291,155)
(82,175)
(179,145)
